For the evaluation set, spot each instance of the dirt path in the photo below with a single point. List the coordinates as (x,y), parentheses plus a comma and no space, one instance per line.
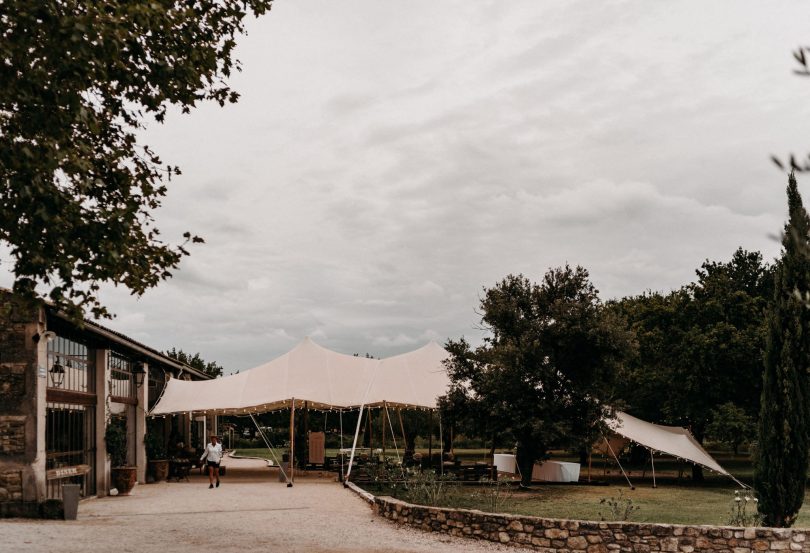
(251,511)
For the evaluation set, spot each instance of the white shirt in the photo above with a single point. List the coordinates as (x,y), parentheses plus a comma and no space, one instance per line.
(212,453)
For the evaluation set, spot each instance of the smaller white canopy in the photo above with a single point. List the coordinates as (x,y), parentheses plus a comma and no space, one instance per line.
(672,440)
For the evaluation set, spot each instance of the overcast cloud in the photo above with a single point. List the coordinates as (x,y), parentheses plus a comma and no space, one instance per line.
(389,159)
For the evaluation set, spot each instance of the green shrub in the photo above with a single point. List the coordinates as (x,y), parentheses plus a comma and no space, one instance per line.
(116,438)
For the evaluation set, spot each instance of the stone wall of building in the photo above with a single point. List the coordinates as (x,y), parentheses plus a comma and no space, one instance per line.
(570,536)
(19,488)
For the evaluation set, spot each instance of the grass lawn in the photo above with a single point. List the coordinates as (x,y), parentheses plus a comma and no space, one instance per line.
(675,500)
(669,504)
(665,504)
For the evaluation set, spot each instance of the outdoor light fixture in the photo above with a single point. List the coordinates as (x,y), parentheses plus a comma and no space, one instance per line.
(140,374)
(57,373)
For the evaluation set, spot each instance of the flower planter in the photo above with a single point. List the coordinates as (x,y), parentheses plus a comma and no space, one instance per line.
(159,470)
(123,478)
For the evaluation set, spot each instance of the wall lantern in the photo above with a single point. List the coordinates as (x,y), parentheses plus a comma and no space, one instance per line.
(140,374)
(57,373)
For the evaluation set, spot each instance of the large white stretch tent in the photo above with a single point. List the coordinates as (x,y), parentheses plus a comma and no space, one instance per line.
(322,378)
(673,440)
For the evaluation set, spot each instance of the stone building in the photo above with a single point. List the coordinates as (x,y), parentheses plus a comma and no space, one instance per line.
(61,384)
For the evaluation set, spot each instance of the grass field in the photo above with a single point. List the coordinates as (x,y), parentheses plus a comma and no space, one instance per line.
(676,500)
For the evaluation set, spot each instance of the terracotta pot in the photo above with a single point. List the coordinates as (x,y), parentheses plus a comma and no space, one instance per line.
(123,478)
(159,470)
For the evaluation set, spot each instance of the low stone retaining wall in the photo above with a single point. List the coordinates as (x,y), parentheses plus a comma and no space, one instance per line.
(573,536)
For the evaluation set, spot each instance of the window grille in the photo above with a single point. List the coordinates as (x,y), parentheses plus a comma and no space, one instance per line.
(70,446)
(69,366)
(122,379)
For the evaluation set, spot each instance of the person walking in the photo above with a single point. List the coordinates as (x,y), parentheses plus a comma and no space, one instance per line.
(213,456)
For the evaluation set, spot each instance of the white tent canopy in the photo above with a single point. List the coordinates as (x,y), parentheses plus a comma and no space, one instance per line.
(672,440)
(322,378)
(413,379)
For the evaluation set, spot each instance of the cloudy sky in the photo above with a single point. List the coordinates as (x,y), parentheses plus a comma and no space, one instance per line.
(389,159)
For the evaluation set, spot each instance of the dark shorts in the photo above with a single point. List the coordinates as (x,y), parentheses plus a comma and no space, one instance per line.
(212,464)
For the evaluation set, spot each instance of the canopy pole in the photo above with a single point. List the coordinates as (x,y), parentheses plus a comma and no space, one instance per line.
(441,446)
(340,411)
(357,429)
(384,415)
(652,462)
(393,437)
(292,443)
(269,446)
(430,439)
(354,443)
(402,427)
(632,487)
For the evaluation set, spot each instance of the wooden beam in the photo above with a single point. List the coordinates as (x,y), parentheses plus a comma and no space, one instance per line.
(124,399)
(68,396)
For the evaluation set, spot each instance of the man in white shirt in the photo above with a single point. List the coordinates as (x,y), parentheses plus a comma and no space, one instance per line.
(213,456)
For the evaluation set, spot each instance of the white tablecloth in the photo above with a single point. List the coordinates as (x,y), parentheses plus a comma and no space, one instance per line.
(505,463)
(556,471)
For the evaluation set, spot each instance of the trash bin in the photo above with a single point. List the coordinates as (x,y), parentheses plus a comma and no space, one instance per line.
(70,500)
(284,468)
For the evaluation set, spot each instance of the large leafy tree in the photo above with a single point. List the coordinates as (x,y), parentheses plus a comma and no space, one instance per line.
(78,79)
(544,374)
(780,464)
(699,346)
(195,361)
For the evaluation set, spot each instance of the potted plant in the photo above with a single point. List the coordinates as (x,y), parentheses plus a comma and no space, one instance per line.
(157,456)
(123,475)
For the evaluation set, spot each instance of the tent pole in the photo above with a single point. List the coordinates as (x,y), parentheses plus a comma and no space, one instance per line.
(430,439)
(394,438)
(340,453)
(402,428)
(292,443)
(354,444)
(441,446)
(370,428)
(590,458)
(269,446)
(384,416)
(357,429)
(652,461)
(632,487)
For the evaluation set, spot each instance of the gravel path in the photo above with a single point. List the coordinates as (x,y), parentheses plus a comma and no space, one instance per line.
(251,511)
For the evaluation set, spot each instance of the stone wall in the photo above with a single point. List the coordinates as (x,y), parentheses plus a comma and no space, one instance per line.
(19,489)
(571,536)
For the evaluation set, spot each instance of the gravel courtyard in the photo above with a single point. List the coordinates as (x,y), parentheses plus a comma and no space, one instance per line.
(251,511)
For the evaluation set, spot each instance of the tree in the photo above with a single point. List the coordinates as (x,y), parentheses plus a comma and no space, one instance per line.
(702,343)
(730,425)
(210,368)
(780,463)
(543,376)
(78,80)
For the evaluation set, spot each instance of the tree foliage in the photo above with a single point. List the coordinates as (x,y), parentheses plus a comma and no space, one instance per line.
(210,368)
(78,79)
(544,374)
(699,346)
(780,463)
(730,425)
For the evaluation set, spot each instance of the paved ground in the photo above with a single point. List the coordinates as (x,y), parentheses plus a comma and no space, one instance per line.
(251,511)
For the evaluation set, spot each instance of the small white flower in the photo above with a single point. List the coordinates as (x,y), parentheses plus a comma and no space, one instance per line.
(737,499)
(747,499)
(756,500)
